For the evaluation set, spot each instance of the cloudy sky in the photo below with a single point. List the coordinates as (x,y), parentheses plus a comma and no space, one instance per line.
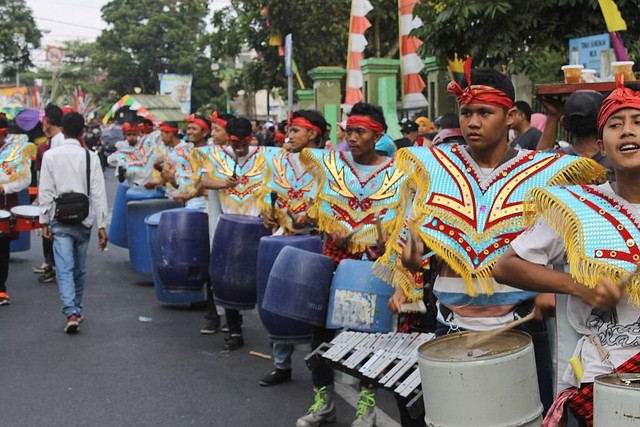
(62,20)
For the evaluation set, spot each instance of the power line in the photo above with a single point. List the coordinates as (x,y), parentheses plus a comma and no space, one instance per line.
(67,23)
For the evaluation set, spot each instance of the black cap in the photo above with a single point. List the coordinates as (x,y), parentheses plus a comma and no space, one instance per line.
(581,110)
(409,126)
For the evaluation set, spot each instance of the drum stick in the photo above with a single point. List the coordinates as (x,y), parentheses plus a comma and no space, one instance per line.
(354,231)
(482,337)
(260,355)
(235,167)
(379,227)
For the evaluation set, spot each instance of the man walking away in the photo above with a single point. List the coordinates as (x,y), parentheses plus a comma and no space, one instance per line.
(64,170)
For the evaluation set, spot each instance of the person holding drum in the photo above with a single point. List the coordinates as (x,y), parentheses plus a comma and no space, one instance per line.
(15,176)
(359,188)
(64,170)
(594,233)
(125,151)
(236,171)
(288,192)
(170,143)
(469,207)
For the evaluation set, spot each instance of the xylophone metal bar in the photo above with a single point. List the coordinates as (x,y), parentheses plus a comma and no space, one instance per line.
(388,360)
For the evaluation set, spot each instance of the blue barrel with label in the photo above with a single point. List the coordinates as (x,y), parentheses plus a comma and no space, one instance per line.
(234,254)
(359,299)
(152,221)
(137,211)
(23,242)
(118,227)
(281,328)
(182,250)
(299,285)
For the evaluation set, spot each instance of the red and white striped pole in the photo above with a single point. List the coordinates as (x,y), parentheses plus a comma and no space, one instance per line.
(410,62)
(357,42)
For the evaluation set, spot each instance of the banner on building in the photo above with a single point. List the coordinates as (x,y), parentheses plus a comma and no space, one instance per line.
(178,86)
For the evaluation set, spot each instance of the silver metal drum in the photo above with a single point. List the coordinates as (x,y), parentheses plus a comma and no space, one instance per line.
(616,400)
(491,385)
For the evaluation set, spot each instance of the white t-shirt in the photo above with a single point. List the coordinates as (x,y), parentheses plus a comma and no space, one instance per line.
(617,329)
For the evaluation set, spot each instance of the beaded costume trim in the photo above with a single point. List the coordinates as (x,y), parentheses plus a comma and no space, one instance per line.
(295,190)
(349,202)
(14,158)
(219,162)
(600,231)
(469,221)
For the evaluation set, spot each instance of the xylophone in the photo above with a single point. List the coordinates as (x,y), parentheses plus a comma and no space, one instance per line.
(388,360)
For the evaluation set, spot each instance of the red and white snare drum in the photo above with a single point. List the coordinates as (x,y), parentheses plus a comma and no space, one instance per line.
(5,221)
(27,217)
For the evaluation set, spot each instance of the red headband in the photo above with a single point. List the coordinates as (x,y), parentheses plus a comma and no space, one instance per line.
(167,128)
(200,122)
(247,139)
(304,123)
(128,128)
(365,122)
(145,128)
(217,120)
(478,94)
(622,97)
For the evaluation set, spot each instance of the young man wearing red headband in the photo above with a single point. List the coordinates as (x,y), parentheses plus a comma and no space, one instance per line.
(236,173)
(15,176)
(169,153)
(594,233)
(125,151)
(468,207)
(295,189)
(219,128)
(357,187)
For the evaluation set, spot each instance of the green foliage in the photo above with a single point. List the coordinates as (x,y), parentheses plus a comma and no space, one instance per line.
(319,29)
(520,36)
(147,38)
(18,35)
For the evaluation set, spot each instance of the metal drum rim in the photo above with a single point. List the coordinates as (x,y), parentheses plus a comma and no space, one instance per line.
(599,379)
(438,340)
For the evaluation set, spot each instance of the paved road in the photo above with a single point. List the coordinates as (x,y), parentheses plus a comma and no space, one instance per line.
(119,371)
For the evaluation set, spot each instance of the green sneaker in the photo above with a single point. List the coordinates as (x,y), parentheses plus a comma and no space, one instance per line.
(323,410)
(366,412)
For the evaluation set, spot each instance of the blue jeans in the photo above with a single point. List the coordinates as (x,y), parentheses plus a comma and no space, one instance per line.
(70,244)
(281,352)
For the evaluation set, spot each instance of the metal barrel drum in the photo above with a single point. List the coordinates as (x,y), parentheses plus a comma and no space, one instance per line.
(495,383)
(137,211)
(281,328)
(299,285)
(23,242)
(234,254)
(118,226)
(616,400)
(182,250)
(358,299)
(162,294)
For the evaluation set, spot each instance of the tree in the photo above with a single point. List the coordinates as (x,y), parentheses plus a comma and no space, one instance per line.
(19,35)
(146,38)
(319,28)
(528,37)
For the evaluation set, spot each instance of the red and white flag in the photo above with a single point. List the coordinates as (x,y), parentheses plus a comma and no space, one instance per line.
(410,62)
(357,42)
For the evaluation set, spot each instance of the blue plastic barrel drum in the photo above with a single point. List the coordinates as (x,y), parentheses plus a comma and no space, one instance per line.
(179,247)
(281,328)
